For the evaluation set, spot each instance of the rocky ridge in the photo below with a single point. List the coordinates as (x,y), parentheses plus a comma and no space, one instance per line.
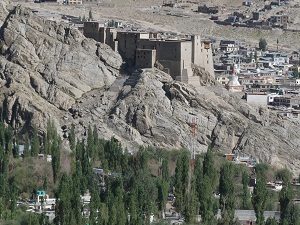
(46,65)
(49,70)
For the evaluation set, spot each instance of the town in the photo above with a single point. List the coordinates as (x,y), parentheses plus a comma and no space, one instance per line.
(105,183)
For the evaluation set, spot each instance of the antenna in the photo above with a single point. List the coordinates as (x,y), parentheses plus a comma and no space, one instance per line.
(192,121)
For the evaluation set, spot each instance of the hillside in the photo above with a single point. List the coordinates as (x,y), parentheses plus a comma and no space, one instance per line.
(49,70)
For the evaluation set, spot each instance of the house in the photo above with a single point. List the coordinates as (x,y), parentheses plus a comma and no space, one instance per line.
(281,20)
(257,98)
(208,9)
(247,3)
(228,46)
(43,202)
(229,156)
(74,2)
(255,15)
(287,101)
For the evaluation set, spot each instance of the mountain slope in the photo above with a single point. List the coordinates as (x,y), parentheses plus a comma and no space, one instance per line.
(49,70)
(47,66)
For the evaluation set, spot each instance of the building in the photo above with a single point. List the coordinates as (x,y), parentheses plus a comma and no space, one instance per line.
(208,9)
(229,46)
(247,3)
(74,2)
(280,20)
(43,202)
(176,56)
(257,98)
(286,101)
(255,15)
(260,98)
(91,30)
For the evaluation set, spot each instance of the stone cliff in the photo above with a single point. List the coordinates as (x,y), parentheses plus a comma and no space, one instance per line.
(46,66)
(49,70)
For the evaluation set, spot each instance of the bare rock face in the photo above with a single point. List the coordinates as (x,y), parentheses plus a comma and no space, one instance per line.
(46,66)
(49,70)
(3,11)
(205,77)
(159,111)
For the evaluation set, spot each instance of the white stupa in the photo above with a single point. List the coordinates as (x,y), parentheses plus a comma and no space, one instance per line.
(234,84)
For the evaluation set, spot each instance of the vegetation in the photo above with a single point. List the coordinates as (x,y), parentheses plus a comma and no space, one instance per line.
(263,44)
(131,189)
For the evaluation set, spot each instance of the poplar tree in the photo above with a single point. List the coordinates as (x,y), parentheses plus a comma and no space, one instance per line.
(286,202)
(226,189)
(26,145)
(271,221)
(181,178)
(246,200)
(207,187)
(35,143)
(163,188)
(165,170)
(90,143)
(259,199)
(13,193)
(72,138)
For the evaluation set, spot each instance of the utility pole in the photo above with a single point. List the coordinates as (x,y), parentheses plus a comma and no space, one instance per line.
(192,121)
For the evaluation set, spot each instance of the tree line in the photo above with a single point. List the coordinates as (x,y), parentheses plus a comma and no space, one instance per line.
(128,192)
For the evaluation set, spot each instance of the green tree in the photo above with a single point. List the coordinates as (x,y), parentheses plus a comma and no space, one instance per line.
(72,138)
(55,152)
(259,199)
(90,143)
(198,174)
(284,175)
(262,44)
(26,145)
(295,215)
(35,143)
(271,221)
(191,204)
(286,201)
(207,202)
(206,187)
(246,199)
(91,15)
(68,208)
(163,188)
(209,167)
(165,170)
(13,197)
(226,189)
(181,178)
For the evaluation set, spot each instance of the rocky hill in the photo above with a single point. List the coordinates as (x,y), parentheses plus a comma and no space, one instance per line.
(49,70)
(46,66)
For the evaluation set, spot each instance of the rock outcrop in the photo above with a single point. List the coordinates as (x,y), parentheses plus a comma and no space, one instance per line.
(152,109)
(48,69)
(3,11)
(45,66)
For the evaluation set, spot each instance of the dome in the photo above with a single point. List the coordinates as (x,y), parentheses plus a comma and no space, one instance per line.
(234,81)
